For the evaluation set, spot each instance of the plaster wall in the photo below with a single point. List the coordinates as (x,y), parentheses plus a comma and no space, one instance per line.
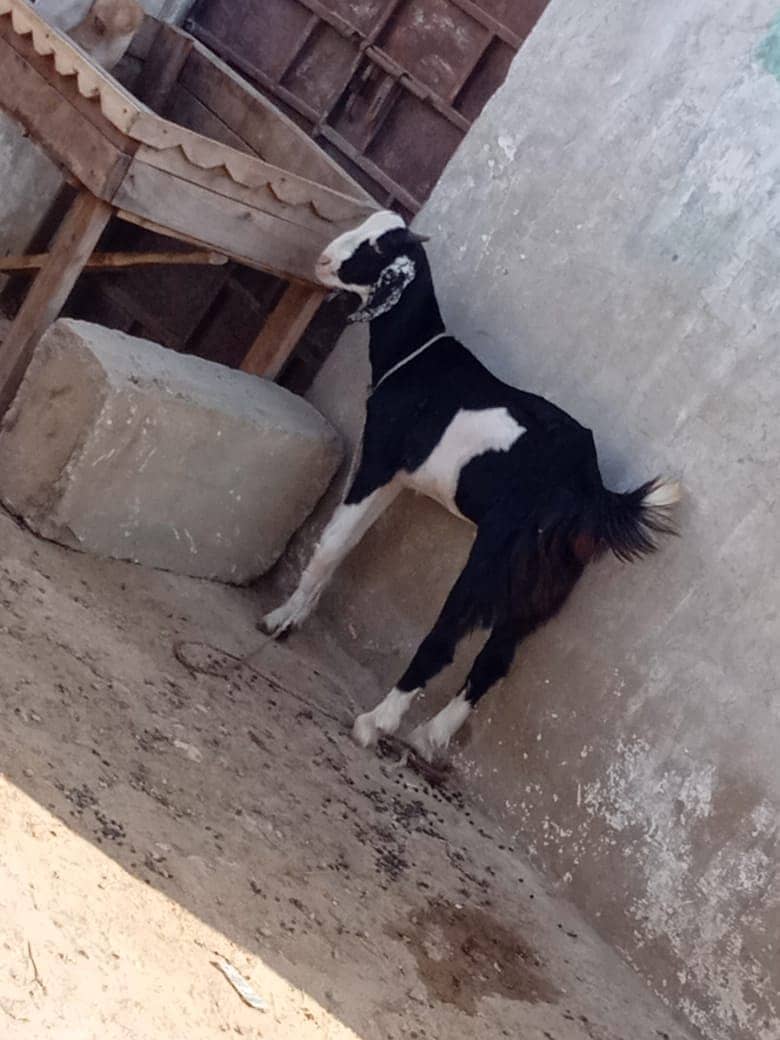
(609,235)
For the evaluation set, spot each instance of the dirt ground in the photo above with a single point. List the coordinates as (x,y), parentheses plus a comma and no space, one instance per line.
(155,821)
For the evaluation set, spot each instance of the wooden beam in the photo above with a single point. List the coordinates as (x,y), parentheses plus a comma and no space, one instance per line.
(190,211)
(282,330)
(112,261)
(71,248)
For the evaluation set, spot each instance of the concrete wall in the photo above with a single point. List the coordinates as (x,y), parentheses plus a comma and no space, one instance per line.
(30,181)
(609,235)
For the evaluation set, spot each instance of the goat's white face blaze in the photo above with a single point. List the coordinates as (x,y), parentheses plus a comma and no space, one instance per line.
(346,245)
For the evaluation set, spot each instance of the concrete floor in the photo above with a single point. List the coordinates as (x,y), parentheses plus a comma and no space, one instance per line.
(155,819)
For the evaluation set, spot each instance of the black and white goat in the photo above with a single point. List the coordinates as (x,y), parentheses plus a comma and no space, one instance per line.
(519,468)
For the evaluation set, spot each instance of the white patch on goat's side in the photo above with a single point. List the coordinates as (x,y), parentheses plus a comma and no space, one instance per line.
(434,737)
(342,248)
(385,718)
(469,435)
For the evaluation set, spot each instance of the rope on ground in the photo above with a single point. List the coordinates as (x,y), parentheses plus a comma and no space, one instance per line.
(223,665)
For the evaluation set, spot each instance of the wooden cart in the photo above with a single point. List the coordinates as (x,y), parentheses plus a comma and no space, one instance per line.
(243,202)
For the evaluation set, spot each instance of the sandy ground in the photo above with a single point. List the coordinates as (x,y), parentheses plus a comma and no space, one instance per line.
(156,820)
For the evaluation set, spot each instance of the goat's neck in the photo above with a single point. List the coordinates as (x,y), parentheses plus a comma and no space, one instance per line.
(414,320)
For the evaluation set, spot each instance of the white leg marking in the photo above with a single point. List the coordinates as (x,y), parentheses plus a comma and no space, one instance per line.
(385,718)
(433,737)
(345,529)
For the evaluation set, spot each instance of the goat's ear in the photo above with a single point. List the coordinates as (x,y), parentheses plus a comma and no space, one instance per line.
(390,244)
(385,293)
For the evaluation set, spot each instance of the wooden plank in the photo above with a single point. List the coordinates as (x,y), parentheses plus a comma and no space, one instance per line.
(65,135)
(92,79)
(162,137)
(371,169)
(142,42)
(193,213)
(72,246)
(366,165)
(185,109)
(496,27)
(118,261)
(380,57)
(380,24)
(260,197)
(267,133)
(282,330)
(164,62)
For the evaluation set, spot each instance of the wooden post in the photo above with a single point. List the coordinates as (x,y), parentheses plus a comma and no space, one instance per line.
(284,326)
(71,247)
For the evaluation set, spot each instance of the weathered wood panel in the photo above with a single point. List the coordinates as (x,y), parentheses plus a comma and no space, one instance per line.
(200,215)
(185,109)
(59,126)
(164,62)
(257,122)
(315,230)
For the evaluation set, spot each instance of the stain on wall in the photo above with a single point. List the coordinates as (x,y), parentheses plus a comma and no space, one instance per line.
(768,51)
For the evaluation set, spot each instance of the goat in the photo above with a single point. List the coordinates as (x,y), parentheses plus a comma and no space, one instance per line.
(103,28)
(516,466)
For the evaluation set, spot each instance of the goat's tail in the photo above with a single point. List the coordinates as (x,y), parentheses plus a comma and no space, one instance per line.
(629,522)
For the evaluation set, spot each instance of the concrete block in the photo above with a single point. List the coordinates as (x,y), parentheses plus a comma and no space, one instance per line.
(118,447)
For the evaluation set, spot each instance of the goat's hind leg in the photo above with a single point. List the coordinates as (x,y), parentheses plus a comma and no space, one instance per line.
(431,740)
(344,530)
(539,578)
(434,654)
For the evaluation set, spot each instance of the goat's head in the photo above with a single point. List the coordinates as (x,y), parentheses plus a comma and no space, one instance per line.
(376,261)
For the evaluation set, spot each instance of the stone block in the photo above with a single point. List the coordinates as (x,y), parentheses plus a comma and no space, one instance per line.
(118,447)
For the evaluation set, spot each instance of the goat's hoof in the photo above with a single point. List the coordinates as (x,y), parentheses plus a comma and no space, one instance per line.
(425,748)
(365,731)
(276,624)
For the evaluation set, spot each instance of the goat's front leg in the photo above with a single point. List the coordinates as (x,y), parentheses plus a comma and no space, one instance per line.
(346,527)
